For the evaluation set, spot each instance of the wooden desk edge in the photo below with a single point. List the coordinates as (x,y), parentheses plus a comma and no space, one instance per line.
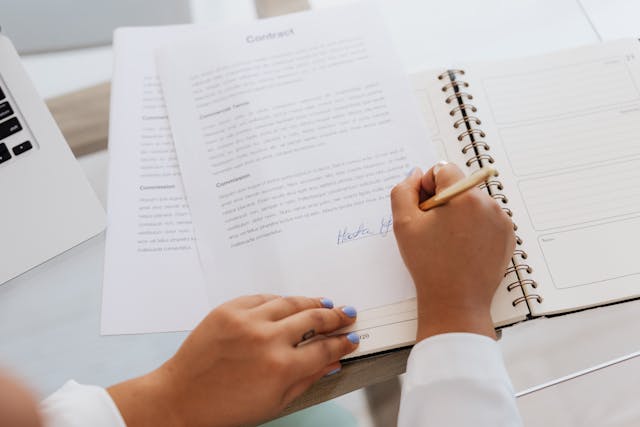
(354,375)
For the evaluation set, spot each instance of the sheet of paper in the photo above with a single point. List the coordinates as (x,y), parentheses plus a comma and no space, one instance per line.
(152,277)
(290,134)
(563,131)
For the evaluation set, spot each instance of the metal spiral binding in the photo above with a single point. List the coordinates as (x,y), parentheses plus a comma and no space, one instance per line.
(466,119)
(462,106)
(478,158)
(475,144)
(522,254)
(501,197)
(517,283)
(477,151)
(469,132)
(519,267)
(526,298)
(492,182)
(455,97)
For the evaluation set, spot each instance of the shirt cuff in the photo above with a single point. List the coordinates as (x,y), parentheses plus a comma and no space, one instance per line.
(77,405)
(456,355)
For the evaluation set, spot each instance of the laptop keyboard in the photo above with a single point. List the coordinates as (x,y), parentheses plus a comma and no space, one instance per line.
(13,142)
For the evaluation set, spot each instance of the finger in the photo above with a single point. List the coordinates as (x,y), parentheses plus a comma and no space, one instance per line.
(317,321)
(444,175)
(405,197)
(282,307)
(428,179)
(251,301)
(323,352)
(303,385)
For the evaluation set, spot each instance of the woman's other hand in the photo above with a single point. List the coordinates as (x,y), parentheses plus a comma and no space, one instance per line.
(242,365)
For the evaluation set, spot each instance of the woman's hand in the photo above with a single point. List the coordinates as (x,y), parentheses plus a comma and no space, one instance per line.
(241,365)
(456,253)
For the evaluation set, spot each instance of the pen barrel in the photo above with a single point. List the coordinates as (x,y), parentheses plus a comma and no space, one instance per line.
(475,179)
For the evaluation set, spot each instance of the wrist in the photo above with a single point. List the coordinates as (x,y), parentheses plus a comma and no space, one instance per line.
(146,401)
(442,318)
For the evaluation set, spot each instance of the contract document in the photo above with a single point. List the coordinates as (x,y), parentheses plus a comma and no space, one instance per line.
(290,134)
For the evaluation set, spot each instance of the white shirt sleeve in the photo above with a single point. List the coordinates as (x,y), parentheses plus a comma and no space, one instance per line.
(457,379)
(77,405)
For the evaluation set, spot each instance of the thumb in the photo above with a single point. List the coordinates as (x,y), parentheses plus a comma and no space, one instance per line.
(405,197)
(441,176)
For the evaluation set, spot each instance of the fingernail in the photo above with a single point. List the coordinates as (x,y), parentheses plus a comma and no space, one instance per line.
(326,303)
(353,337)
(439,166)
(335,371)
(410,172)
(350,311)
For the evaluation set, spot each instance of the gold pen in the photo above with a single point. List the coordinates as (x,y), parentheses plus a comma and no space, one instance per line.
(473,180)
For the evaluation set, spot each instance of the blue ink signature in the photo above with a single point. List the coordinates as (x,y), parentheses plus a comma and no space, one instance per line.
(350,234)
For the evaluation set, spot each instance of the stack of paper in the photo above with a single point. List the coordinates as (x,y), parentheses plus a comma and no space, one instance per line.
(289,135)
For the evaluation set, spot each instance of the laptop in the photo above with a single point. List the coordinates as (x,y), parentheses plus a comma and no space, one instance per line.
(46,203)
(76,24)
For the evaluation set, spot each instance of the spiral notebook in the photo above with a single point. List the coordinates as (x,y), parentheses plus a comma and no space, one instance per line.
(563,131)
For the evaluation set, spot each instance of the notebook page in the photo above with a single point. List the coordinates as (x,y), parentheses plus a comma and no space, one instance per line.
(563,129)
(152,277)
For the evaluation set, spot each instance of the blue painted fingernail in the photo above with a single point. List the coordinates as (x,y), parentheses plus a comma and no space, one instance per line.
(410,172)
(353,337)
(350,311)
(335,371)
(326,303)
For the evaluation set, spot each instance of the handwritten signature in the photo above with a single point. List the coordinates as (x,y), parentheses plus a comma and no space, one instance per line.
(351,234)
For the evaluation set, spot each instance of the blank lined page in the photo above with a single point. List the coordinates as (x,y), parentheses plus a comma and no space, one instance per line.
(565,90)
(583,196)
(581,140)
(564,130)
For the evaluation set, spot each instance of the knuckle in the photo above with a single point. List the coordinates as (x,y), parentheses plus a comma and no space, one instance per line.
(335,319)
(226,314)
(341,319)
(401,222)
(327,351)
(294,302)
(452,168)
(277,362)
(478,199)
(262,298)
(231,321)
(259,336)
(318,319)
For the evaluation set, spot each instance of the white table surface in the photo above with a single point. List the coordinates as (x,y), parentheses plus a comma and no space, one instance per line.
(49,317)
